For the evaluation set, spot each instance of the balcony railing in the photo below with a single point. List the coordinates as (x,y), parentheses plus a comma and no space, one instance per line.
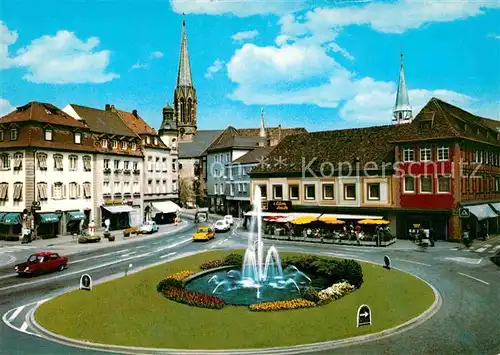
(117,171)
(107,171)
(137,172)
(126,171)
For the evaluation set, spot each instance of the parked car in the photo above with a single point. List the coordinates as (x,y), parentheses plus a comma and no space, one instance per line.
(203,233)
(40,263)
(149,227)
(221,226)
(229,219)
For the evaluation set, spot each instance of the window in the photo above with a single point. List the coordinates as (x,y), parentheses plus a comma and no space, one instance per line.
(58,162)
(278,192)
(231,189)
(42,161)
(78,138)
(5,161)
(14,134)
(104,143)
(157,164)
(126,165)
(310,192)
(148,140)
(443,184)
(174,186)
(4,191)
(2,135)
(157,186)
(444,153)
(408,154)
(133,146)
(164,164)
(373,191)
(137,190)
(174,165)
(18,161)
(135,166)
(106,188)
(86,190)
(48,134)
(58,191)
(86,163)
(426,183)
(328,192)
(150,163)
(425,154)
(116,188)
(18,191)
(294,192)
(115,144)
(497,185)
(409,184)
(73,162)
(349,191)
(124,145)
(156,141)
(106,163)
(150,186)
(74,190)
(116,164)
(164,186)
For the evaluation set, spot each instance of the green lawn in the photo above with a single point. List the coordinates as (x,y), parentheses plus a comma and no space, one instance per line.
(129,311)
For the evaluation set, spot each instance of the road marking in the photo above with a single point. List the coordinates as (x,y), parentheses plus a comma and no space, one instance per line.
(466,260)
(16,313)
(413,262)
(480,250)
(156,243)
(93,257)
(495,249)
(474,278)
(345,255)
(24,327)
(7,276)
(141,246)
(167,255)
(128,254)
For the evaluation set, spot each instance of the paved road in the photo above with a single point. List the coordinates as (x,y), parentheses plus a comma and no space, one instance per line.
(469,283)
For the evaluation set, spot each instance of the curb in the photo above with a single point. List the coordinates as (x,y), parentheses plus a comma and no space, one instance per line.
(9,262)
(297,349)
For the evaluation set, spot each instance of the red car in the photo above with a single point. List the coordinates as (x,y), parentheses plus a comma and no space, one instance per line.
(40,263)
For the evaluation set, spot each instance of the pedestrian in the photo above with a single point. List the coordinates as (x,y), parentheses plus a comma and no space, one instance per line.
(358,232)
(107,223)
(431,236)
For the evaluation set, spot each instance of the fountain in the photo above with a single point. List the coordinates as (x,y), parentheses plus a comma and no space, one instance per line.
(260,279)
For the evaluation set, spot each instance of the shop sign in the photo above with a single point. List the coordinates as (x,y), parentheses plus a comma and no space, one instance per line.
(279,206)
(464,212)
(264,205)
(114,202)
(364,316)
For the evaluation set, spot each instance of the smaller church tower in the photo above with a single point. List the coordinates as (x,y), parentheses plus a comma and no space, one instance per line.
(402,110)
(262,131)
(185,101)
(168,128)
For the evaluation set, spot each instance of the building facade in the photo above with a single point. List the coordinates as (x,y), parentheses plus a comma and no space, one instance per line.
(46,160)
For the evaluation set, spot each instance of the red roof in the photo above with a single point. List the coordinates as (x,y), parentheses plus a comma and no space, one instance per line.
(41,112)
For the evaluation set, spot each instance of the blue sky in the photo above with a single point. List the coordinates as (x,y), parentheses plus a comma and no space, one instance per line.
(318,64)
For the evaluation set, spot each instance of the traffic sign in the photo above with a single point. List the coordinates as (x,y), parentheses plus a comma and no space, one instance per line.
(464,212)
(86,282)
(364,316)
(387,262)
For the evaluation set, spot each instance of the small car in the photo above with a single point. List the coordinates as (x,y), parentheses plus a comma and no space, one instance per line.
(204,233)
(229,219)
(40,263)
(149,227)
(222,226)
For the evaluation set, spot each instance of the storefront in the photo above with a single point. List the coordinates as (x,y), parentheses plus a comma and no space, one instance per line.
(74,219)
(438,223)
(481,217)
(10,226)
(164,212)
(118,215)
(48,225)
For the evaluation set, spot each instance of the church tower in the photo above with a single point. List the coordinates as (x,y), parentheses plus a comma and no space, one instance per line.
(185,94)
(402,110)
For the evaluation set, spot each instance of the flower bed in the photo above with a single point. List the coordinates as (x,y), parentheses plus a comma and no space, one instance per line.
(335,291)
(181,275)
(230,260)
(192,298)
(282,305)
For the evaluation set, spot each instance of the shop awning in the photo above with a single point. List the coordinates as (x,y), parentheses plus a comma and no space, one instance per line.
(76,216)
(483,211)
(49,218)
(496,206)
(166,207)
(350,216)
(10,218)
(118,208)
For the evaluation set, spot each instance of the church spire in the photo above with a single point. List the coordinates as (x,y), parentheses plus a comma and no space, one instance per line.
(184,74)
(262,131)
(402,109)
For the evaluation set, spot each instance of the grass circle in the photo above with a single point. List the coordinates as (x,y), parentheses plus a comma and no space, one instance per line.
(129,312)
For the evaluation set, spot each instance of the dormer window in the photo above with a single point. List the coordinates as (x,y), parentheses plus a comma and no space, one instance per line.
(115,144)
(124,145)
(148,140)
(2,135)
(133,146)
(156,141)
(48,134)
(443,153)
(104,143)
(78,138)
(14,134)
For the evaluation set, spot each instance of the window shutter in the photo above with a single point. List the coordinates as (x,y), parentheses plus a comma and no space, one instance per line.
(64,190)
(77,190)
(52,189)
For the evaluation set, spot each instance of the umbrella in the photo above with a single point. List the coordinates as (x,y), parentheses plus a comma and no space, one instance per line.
(303,220)
(373,221)
(332,221)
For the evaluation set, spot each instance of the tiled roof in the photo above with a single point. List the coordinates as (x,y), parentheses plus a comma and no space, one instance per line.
(201,141)
(102,121)
(271,132)
(254,156)
(136,123)
(43,113)
(237,142)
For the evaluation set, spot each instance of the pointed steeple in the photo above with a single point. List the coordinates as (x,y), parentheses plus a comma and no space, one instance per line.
(402,108)
(262,131)
(184,74)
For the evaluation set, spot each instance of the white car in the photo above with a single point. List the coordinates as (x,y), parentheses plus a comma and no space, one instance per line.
(149,227)
(221,226)
(229,219)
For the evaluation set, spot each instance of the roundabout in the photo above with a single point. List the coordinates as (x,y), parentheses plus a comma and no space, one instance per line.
(129,314)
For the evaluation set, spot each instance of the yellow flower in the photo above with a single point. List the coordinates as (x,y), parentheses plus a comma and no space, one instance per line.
(181,275)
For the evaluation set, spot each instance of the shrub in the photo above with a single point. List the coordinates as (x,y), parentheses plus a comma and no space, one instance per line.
(168,283)
(233,260)
(335,291)
(212,264)
(352,272)
(310,294)
(282,305)
(181,275)
(193,298)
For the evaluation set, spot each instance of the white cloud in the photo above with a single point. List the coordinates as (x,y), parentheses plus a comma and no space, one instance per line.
(337,49)
(241,8)
(5,107)
(139,66)
(152,56)
(157,54)
(7,38)
(245,35)
(214,68)
(59,59)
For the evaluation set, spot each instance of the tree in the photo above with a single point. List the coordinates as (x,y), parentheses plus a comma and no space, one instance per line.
(186,192)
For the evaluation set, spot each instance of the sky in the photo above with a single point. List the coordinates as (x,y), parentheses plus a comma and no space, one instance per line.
(322,65)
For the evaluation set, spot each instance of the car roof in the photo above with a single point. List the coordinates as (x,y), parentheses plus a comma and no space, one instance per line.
(44,253)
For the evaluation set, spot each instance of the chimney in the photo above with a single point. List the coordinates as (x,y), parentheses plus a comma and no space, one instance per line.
(109,107)
(134,112)
(279,133)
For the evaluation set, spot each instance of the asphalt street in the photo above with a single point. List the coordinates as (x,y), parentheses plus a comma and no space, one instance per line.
(468,321)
